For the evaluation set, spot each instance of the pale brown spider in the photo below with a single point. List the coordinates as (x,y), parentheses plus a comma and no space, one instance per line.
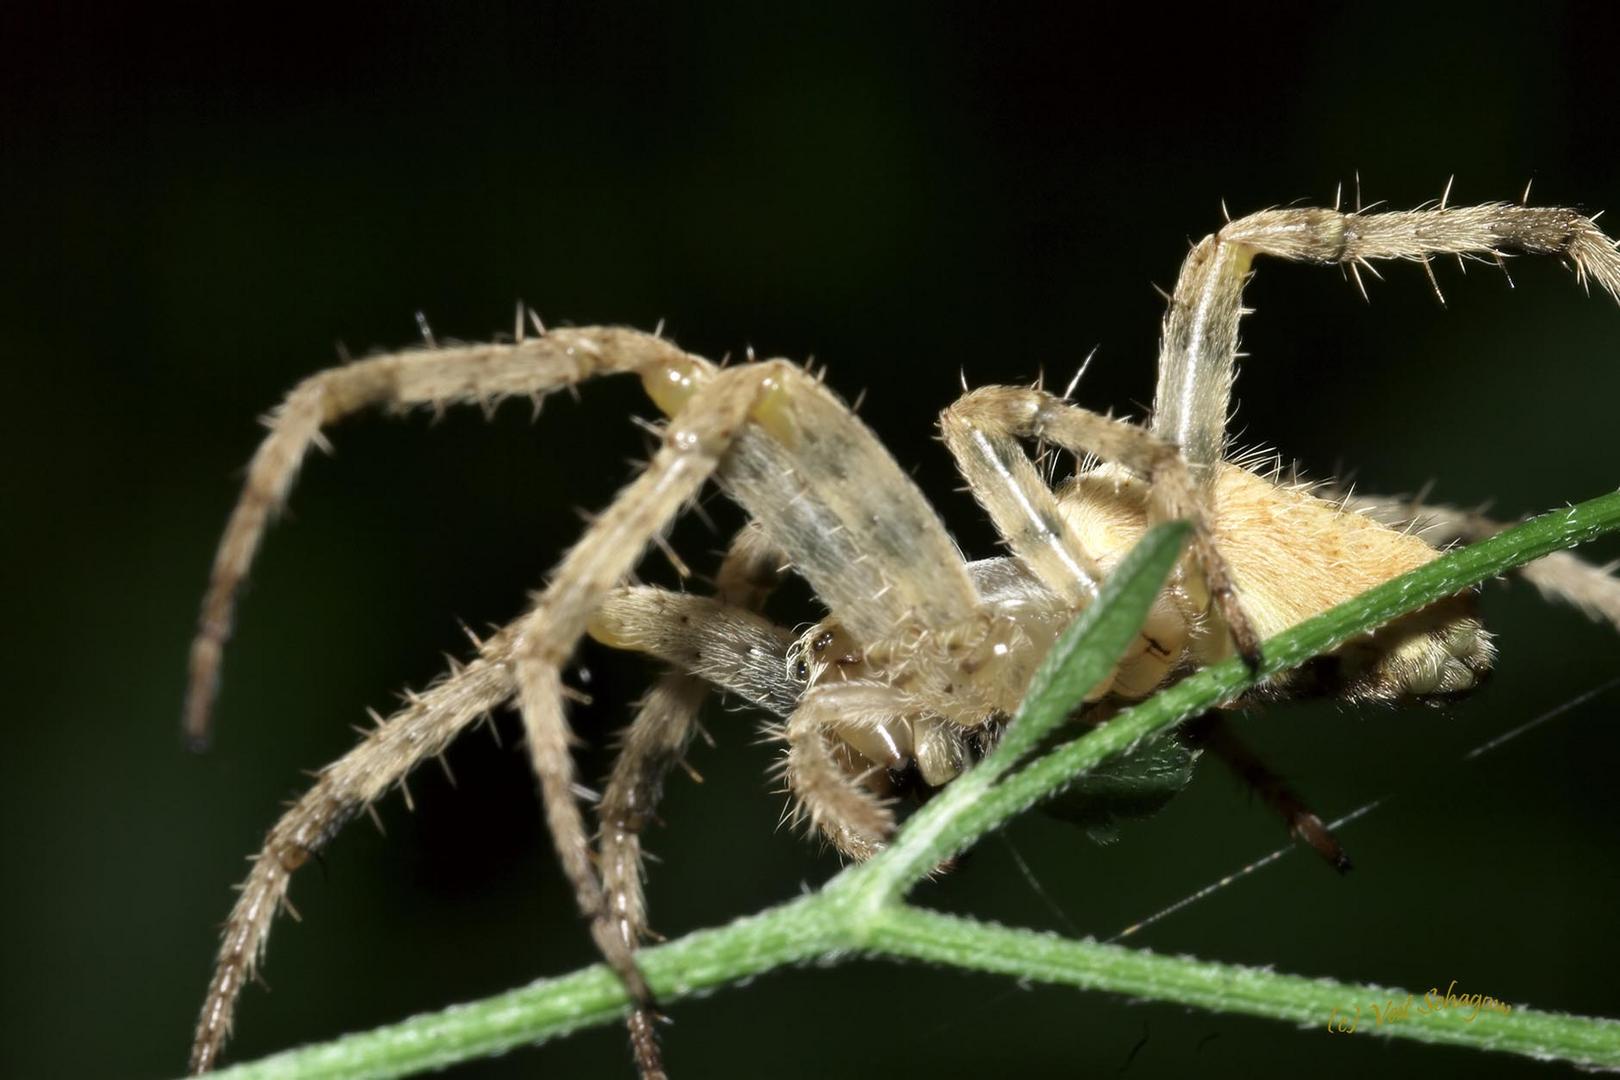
(922,655)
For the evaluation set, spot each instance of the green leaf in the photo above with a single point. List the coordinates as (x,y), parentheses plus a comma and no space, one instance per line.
(1131,786)
(1086,653)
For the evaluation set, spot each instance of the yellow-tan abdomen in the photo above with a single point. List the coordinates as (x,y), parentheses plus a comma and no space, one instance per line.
(1292,556)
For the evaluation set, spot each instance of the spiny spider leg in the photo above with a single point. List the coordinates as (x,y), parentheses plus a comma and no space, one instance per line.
(423,729)
(712,638)
(657,738)
(726,645)
(715,409)
(828,794)
(472,374)
(1020,504)
(858,530)
(429,722)
(743,653)
(849,519)
(714,406)
(981,428)
(1198,350)
(736,651)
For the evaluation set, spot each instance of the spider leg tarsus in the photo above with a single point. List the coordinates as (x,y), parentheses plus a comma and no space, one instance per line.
(1309,828)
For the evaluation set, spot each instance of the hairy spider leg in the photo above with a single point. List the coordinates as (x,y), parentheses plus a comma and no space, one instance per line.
(427,724)
(717,640)
(435,378)
(875,551)
(719,406)
(1199,347)
(715,405)
(829,496)
(982,429)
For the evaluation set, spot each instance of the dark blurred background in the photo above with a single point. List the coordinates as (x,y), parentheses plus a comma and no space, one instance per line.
(199,206)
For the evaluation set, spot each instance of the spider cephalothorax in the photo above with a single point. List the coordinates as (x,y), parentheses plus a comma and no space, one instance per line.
(920,656)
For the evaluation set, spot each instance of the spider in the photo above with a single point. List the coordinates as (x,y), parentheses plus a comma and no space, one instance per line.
(921,655)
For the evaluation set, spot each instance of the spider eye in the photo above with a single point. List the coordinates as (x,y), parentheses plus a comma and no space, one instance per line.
(801,670)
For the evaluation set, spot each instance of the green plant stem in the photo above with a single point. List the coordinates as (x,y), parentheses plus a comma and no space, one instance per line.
(791,933)
(815,927)
(1040,957)
(860,913)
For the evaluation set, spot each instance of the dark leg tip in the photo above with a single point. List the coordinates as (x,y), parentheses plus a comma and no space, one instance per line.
(1253,658)
(196,744)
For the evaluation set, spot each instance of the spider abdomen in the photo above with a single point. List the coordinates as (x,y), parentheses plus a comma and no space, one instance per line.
(1294,555)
